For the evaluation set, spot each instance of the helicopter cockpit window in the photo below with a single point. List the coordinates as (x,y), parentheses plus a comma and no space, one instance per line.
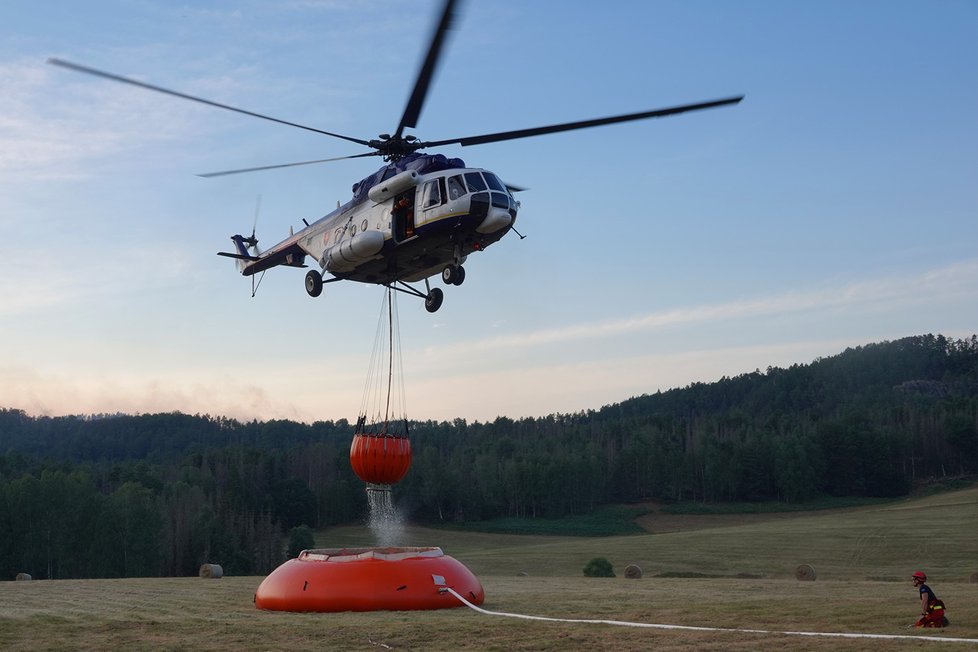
(432,194)
(456,187)
(474,181)
(494,182)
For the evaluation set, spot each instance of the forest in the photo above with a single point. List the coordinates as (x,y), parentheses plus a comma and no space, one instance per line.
(159,494)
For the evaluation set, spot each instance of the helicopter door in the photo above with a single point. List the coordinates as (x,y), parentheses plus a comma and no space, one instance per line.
(432,196)
(403,216)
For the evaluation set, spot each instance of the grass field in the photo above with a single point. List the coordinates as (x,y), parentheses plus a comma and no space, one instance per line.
(862,558)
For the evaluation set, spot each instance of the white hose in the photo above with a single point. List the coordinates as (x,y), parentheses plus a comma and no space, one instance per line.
(941,639)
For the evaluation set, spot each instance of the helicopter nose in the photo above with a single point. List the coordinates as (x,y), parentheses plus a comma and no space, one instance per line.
(496,219)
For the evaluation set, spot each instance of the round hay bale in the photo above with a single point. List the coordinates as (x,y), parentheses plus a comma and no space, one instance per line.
(23,577)
(805,573)
(974,578)
(211,571)
(633,572)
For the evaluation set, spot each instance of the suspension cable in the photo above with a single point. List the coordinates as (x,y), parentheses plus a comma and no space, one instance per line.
(383,402)
(368,409)
(390,357)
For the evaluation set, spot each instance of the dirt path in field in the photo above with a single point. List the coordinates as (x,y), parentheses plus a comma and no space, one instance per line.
(660,522)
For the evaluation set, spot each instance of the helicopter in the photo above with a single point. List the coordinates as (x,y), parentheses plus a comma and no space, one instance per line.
(419,216)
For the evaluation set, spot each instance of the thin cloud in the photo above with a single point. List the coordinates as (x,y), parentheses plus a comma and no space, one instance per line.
(56,125)
(958,280)
(33,288)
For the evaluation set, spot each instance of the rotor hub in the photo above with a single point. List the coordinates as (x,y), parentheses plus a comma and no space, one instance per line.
(394,148)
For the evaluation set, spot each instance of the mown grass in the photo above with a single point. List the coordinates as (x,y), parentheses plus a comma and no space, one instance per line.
(938,533)
(194,614)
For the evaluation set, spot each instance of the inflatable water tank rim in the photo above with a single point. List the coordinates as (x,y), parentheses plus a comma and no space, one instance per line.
(359,554)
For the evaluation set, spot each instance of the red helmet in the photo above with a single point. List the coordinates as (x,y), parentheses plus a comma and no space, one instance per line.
(920,576)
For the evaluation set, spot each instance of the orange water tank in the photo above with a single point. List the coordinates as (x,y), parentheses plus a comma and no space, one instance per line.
(368,579)
(380,459)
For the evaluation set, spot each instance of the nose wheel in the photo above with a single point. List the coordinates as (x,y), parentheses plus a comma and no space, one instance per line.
(432,302)
(453,275)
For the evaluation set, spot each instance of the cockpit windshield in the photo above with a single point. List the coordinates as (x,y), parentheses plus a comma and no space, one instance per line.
(474,181)
(494,181)
(479,182)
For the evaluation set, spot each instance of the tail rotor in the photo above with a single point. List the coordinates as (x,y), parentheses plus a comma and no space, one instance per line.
(246,251)
(253,249)
(251,240)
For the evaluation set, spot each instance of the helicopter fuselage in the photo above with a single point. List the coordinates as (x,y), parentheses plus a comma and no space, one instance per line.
(420,214)
(406,222)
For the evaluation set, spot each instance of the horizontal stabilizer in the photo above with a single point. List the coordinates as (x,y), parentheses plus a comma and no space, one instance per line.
(238,256)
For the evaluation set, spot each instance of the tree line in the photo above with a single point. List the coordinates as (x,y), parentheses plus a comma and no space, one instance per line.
(121,495)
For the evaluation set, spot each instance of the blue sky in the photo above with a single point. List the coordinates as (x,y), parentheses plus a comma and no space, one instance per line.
(835,206)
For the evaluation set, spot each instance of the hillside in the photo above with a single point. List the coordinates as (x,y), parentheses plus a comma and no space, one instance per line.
(166,492)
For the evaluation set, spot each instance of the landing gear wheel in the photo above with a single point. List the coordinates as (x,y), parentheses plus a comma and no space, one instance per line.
(432,302)
(453,275)
(314,283)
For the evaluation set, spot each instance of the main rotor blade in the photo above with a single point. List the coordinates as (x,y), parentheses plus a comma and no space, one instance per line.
(413,109)
(224,173)
(583,124)
(159,89)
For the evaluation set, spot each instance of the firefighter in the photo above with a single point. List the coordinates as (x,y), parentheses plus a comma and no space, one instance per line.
(932,611)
